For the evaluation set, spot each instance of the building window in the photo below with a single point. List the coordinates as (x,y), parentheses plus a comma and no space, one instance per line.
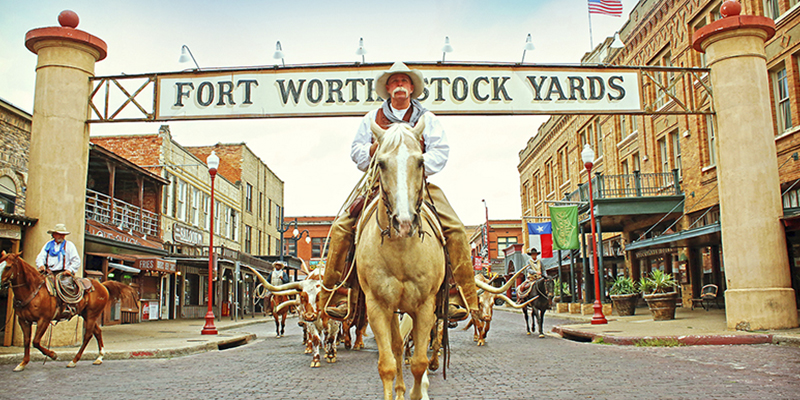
(772,9)
(676,151)
(783,111)
(278,213)
(791,199)
(712,140)
(564,165)
(598,139)
(260,205)
(623,127)
(317,244)
(502,243)
(194,217)
(248,232)
(217,212)
(181,201)
(637,165)
(204,217)
(248,198)
(291,247)
(8,194)
(166,205)
(269,213)
(662,151)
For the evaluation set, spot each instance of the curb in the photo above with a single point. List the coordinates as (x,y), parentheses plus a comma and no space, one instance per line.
(69,354)
(688,340)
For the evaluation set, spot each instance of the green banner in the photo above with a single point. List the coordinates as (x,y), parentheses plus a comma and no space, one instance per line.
(565,227)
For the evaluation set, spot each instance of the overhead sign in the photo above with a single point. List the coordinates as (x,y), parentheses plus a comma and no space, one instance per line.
(350,91)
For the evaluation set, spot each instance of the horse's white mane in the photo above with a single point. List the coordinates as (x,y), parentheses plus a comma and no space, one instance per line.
(394,135)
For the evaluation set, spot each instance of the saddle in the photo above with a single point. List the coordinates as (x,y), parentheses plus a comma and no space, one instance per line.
(67,288)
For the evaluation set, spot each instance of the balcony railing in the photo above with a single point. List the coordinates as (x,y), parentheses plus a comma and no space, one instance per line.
(636,184)
(124,215)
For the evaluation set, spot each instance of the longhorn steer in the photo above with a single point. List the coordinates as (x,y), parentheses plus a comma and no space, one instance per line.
(320,329)
(486,298)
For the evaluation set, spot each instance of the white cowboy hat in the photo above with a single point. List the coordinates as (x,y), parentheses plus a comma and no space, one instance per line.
(60,228)
(277,263)
(400,68)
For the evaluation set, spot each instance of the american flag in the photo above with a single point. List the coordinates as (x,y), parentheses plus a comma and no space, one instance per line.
(606,7)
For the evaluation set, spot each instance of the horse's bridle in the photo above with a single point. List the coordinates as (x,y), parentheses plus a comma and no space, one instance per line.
(387,232)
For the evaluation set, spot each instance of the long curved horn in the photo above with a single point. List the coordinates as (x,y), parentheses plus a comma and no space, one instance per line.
(377,131)
(285,304)
(289,292)
(272,288)
(513,304)
(501,289)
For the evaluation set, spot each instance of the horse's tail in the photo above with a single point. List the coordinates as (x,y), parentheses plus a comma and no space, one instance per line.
(118,291)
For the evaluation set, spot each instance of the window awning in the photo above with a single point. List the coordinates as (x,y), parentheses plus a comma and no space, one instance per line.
(125,268)
(704,235)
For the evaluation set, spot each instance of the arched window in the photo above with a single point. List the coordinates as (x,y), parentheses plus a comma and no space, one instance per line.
(8,194)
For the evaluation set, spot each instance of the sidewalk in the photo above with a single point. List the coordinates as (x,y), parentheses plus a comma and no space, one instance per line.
(174,338)
(690,327)
(153,339)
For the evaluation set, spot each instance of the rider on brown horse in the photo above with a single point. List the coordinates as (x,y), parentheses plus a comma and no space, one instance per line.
(60,257)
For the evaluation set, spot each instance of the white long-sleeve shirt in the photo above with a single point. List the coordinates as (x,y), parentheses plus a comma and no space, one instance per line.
(71,260)
(437,148)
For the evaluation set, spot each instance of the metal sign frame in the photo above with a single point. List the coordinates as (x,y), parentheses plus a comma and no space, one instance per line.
(136,98)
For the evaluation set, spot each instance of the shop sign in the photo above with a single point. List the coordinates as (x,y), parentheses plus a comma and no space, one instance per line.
(8,231)
(350,91)
(155,264)
(186,235)
(108,233)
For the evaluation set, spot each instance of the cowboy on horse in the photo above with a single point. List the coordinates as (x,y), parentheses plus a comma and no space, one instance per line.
(400,86)
(60,257)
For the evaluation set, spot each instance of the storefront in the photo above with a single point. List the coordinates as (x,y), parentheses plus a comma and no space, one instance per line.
(12,228)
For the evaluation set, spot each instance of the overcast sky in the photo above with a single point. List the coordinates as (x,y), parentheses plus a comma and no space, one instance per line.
(312,155)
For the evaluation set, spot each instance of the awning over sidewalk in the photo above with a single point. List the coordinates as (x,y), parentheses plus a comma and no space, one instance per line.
(697,237)
(123,267)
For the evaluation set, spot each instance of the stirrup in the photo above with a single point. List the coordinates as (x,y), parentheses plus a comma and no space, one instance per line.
(456,312)
(339,312)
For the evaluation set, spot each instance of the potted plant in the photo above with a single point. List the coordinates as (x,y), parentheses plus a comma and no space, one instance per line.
(561,289)
(624,294)
(659,292)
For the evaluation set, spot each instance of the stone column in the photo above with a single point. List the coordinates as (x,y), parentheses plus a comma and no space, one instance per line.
(759,294)
(59,151)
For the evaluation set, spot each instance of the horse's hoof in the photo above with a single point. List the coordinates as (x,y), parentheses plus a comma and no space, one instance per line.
(19,368)
(541,336)
(315,364)
(71,364)
(528,333)
(97,362)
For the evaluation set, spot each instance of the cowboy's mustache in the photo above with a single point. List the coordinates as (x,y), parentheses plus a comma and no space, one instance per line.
(399,89)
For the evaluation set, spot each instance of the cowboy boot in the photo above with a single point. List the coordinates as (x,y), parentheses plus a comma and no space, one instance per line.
(463,275)
(335,302)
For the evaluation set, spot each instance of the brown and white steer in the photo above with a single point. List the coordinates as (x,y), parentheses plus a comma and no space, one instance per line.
(487,295)
(321,330)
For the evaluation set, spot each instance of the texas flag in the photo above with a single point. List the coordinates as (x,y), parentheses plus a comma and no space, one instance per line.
(540,237)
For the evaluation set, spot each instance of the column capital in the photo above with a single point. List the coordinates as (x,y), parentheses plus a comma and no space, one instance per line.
(67,31)
(730,23)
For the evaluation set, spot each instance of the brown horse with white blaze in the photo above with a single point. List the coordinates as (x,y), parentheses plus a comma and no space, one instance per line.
(401,263)
(34,304)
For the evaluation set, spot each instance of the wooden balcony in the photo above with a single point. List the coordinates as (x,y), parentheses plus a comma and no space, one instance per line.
(128,217)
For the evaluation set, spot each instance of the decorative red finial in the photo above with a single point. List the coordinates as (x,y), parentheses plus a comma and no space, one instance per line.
(68,19)
(730,8)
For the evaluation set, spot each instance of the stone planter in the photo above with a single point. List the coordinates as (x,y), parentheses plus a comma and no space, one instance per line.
(662,305)
(625,304)
(574,308)
(562,307)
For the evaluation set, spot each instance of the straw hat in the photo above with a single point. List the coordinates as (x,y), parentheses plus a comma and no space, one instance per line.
(278,264)
(60,228)
(400,68)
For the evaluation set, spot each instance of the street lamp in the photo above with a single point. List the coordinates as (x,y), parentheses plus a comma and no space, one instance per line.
(296,234)
(209,328)
(587,155)
(447,48)
(528,46)
(361,51)
(187,55)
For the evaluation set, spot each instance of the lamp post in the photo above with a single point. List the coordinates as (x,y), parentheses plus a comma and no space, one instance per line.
(296,234)
(487,259)
(587,155)
(209,328)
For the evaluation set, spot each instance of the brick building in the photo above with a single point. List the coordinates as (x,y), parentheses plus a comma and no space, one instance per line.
(316,228)
(247,197)
(502,234)
(656,178)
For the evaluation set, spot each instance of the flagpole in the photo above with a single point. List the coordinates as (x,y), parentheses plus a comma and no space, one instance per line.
(591,41)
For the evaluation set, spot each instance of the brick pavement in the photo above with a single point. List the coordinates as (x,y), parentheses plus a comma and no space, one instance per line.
(511,366)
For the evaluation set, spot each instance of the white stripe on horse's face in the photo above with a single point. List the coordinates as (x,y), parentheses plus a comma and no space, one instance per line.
(401,206)
(2,267)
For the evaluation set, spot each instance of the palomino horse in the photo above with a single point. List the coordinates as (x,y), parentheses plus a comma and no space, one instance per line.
(539,297)
(399,268)
(33,303)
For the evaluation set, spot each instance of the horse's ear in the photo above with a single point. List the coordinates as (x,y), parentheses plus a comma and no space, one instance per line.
(377,131)
(418,128)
